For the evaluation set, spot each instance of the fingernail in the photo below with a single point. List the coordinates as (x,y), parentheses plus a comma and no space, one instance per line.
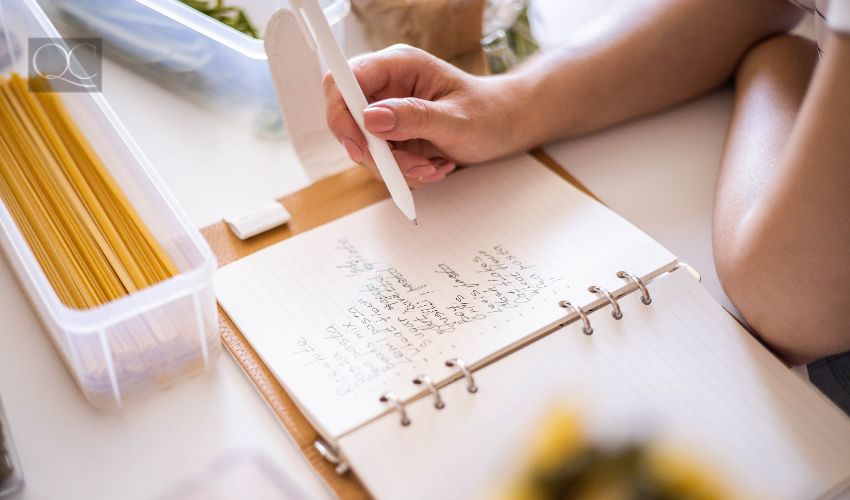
(353,150)
(379,119)
(436,177)
(420,171)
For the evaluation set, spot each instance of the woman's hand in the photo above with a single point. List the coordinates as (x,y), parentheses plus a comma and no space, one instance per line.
(434,115)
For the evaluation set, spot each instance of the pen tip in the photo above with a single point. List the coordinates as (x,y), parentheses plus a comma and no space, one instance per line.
(415,222)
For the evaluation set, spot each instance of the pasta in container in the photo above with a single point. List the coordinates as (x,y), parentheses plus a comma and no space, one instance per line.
(116,271)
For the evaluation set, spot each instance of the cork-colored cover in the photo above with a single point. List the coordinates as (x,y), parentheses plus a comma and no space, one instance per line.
(322,202)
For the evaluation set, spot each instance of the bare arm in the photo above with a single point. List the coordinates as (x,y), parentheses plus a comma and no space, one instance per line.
(785,262)
(644,57)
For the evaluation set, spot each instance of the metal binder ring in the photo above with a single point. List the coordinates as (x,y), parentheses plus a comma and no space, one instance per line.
(586,328)
(392,399)
(617,313)
(429,384)
(470,382)
(645,298)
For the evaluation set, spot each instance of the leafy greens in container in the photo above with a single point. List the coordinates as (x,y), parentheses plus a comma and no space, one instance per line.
(229,15)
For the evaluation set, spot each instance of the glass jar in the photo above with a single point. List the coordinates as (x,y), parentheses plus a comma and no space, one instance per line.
(506,37)
(501,14)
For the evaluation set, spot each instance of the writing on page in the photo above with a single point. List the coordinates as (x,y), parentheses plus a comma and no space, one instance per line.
(391,327)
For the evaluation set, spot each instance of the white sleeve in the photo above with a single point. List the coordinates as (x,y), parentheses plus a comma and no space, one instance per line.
(838,16)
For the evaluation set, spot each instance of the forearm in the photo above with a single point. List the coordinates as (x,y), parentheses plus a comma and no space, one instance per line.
(803,222)
(646,56)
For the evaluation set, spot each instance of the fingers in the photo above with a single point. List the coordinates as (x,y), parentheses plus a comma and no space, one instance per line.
(396,72)
(443,168)
(398,69)
(342,124)
(408,84)
(406,118)
(422,148)
(414,167)
(418,170)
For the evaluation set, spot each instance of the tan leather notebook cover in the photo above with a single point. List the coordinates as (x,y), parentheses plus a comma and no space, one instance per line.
(322,202)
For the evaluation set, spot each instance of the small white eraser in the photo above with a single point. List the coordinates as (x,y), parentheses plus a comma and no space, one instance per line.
(258,220)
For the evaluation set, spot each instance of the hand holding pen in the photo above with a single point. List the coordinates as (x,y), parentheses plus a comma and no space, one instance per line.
(435,115)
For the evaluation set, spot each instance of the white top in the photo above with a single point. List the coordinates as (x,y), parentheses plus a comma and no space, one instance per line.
(828,14)
(838,16)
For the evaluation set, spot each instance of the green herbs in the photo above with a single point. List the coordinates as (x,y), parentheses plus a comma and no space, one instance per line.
(231,16)
(565,462)
(620,472)
(7,468)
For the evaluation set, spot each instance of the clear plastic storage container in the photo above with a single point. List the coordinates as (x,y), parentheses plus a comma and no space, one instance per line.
(174,41)
(147,339)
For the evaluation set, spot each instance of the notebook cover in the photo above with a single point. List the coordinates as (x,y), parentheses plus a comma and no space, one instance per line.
(317,204)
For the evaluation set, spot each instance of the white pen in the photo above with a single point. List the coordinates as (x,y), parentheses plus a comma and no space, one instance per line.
(318,32)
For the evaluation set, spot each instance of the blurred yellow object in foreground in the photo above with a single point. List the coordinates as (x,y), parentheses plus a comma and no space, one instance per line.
(564,464)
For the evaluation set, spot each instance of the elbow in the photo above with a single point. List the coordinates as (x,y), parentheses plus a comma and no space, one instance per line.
(794,309)
(744,285)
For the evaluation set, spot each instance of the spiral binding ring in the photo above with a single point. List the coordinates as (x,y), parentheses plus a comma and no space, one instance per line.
(331,455)
(586,328)
(429,384)
(392,399)
(617,313)
(470,382)
(645,298)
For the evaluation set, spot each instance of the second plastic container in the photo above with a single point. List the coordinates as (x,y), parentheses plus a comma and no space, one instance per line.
(177,42)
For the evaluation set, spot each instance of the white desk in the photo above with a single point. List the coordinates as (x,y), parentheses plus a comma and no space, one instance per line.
(70,450)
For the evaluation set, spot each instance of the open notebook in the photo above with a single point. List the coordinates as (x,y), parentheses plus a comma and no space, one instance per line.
(348,315)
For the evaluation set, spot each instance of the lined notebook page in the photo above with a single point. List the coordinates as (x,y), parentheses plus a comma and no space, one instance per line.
(681,369)
(364,304)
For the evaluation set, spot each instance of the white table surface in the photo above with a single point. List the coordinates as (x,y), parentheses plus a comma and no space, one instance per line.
(216,166)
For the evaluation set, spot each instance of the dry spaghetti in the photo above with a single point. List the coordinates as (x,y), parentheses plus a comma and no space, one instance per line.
(91,243)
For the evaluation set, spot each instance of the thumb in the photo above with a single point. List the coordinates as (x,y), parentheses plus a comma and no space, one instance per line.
(407,118)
